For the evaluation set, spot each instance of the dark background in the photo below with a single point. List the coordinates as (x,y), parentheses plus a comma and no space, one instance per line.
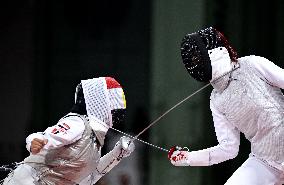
(47,47)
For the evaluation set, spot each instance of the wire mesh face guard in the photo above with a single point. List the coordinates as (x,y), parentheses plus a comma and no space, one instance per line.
(104,97)
(194,52)
(118,115)
(195,58)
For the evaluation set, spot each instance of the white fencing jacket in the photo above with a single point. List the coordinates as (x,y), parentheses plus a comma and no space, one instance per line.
(228,136)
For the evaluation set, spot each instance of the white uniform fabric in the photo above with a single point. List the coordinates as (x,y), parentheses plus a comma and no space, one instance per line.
(66,131)
(101,96)
(123,148)
(254,170)
(21,176)
(58,136)
(228,136)
(220,61)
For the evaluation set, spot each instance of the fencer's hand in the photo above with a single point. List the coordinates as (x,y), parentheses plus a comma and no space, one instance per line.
(178,156)
(124,147)
(37,145)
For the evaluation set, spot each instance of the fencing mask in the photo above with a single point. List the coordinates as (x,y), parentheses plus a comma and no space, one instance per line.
(196,50)
(105,104)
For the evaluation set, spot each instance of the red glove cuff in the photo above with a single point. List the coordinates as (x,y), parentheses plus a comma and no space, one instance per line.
(171,151)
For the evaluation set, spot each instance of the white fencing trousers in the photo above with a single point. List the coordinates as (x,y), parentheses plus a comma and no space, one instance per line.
(256,172)
(22,175)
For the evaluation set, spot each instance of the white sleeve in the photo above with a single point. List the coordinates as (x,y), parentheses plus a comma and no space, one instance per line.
(271,72)
(228,147)
(66,131)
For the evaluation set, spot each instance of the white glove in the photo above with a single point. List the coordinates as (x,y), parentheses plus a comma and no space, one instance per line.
(178,157)
(124,147)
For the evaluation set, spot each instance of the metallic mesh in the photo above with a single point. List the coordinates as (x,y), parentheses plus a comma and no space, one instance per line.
(193,56)
(102,101)
(196,62)
(97,99)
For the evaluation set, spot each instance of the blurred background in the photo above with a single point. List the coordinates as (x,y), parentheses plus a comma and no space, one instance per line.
(47,47)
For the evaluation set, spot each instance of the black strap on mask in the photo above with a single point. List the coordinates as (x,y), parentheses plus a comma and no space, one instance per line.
(79,107)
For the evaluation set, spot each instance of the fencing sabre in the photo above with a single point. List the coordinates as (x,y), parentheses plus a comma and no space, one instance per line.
(11,166)
(173,107)
(156,120)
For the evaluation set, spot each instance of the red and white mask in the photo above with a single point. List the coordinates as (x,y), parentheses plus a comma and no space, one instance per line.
(102,96)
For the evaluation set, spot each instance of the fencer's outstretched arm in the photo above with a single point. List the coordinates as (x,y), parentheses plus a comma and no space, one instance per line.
(123,148)
(228,138)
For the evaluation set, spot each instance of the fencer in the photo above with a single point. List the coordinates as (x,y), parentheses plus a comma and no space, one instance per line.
(69,152)
(247,100)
